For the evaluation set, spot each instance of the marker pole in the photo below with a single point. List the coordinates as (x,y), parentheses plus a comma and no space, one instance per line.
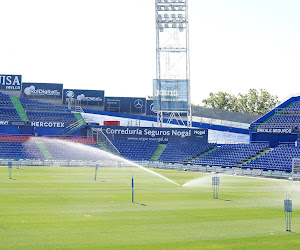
(132,190)
(10,170)
(96,170)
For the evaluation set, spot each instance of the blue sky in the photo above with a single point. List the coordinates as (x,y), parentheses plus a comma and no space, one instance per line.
(110,45)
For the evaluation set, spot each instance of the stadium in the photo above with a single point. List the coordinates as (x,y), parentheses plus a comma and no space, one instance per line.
(80,169)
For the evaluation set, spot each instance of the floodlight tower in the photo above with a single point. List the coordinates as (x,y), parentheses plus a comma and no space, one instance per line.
(171,88)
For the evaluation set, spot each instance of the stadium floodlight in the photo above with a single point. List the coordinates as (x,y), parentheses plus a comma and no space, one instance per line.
(172,61)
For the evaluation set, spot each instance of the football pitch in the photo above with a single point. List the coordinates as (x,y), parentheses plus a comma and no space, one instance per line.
(64,207)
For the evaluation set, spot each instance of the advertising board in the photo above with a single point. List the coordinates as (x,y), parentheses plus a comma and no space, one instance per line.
(148,133)
(130,105)
(42,90)
(10,82)
(84,97)
(149,109)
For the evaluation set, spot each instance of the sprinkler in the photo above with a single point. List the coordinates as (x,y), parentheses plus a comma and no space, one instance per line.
(215,186)
(288,213)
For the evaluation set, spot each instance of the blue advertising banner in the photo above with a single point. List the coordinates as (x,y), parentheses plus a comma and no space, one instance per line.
(149,110)
(85,97)
(35,124)
(130,105)
(171,95)
(10,82)
(42,90)
(148,133)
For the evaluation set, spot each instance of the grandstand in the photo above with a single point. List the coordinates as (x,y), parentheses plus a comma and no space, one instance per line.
(183,152)
(136,150)
(279,158)
(7,110)
(47,112)
(286,118)
(231,155)
(273,136)
(16,147)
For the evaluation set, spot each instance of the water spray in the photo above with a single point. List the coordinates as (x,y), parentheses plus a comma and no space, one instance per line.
(83,152)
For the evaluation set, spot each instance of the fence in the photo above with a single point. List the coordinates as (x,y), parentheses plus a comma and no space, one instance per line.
(160,165)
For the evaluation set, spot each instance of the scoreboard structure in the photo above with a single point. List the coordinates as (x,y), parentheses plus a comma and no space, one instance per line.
(171,88)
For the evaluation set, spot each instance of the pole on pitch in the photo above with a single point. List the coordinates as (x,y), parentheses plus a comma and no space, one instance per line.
(96,170)
(215,186)
(10,170)
(132,190)
(17,162)
(288,213)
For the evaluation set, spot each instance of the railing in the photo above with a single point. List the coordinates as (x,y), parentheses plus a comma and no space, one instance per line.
(221,122)
(73,138)
(219,169)
(134,123)
(50,109)
(71,127)
(100,137)
(79,109)
(159,165)
(14,137)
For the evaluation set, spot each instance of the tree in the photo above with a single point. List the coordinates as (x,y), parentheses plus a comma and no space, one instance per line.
(256,102)
(221,100)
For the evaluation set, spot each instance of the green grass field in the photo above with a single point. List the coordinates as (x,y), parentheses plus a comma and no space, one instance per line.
(59,207)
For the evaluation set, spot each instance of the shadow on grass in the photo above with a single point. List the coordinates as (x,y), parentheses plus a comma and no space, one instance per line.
(145,205)
(223,199)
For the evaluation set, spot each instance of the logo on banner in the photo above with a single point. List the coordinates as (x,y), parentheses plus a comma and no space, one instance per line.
(11,82)
(151,107)
(48,124)
(4,122)
(275,130)
(81,97)
(33,91)
(70,94)
(138,103)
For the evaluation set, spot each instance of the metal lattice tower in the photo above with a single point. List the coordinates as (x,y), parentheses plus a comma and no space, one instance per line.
(172,83)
